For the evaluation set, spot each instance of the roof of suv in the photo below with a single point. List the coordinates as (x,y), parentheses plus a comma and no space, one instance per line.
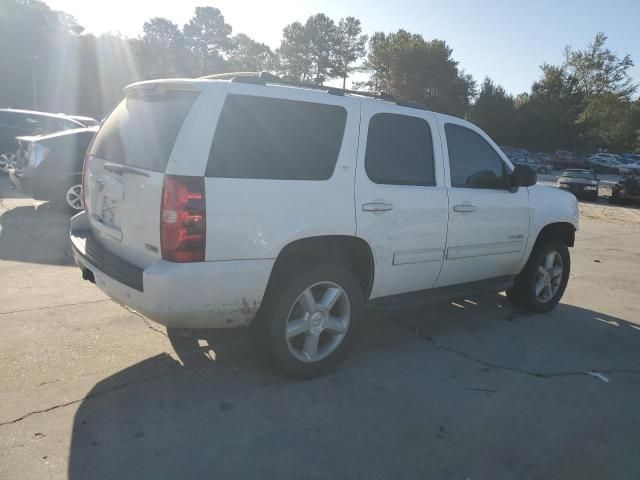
(264,79)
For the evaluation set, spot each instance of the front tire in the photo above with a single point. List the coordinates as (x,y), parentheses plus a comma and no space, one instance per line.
(542,282)
(309,321)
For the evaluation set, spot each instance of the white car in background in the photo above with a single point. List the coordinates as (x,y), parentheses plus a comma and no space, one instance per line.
(249,201)
(610,163)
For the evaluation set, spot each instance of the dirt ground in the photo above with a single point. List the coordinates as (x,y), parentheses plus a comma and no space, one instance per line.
(473,389)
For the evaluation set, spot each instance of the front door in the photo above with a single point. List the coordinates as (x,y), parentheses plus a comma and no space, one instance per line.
(401,199)
(488,222)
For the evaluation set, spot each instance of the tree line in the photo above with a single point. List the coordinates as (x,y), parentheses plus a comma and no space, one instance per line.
(585,103)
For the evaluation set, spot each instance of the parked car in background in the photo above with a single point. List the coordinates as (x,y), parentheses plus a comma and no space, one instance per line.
(86,121)
(611,163)
(580,182)
(246,202)
(532,162)
(512,152)
(49,167)
(626,190)
(564,159)
(17,123)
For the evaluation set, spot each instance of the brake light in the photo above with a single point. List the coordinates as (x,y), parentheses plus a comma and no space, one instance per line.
(182,219)
(37,153)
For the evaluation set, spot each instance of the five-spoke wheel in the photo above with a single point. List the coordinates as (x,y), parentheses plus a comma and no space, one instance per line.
(540,285)
(318,321)
(549,276)
(309,319)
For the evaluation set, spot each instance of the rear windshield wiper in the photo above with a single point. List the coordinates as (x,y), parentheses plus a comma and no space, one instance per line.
(120,169)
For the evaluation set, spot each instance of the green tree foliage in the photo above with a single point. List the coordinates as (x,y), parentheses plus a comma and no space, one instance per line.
(309,52)
(208,38)
(351,46)
(294,54)
(162,49)
(495,112)
(320,50)
(607,121)
(599,71)
(247,55)
(548,116)
(407,66)
(322,35)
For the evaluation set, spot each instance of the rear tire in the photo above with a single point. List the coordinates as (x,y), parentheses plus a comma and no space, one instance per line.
(7,161)
(542,282)
(309,321)
(72,198)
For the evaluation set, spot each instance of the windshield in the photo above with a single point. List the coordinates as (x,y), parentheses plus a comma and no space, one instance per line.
(579,174)
(142,129)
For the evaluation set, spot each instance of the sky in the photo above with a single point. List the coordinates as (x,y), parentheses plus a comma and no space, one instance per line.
(505,40)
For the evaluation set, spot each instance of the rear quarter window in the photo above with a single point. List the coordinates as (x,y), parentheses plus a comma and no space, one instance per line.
(141,130)
(278,139)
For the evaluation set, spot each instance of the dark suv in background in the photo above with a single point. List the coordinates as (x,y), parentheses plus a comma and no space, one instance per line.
(19,123)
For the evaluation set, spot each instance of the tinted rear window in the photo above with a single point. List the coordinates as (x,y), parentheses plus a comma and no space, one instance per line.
(269,138)
(142,129)
(399,150)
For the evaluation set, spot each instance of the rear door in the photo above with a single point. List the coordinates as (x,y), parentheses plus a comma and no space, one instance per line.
(126,166)
(401,200)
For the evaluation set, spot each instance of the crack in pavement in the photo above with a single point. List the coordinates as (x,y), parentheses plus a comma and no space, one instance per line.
(86,397)
(524,371)
(144,320)
(54,306)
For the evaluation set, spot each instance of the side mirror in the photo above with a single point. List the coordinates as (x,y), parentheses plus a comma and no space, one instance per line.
(524,176)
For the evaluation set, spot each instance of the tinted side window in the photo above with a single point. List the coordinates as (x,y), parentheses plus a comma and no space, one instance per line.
(399,150)
(29,123)
(472,161)
(270,138)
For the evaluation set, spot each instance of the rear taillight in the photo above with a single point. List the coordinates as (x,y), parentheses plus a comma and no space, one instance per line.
(182,219)
(37,153)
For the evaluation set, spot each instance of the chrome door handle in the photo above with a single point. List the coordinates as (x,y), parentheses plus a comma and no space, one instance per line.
(376,207)
(464,208)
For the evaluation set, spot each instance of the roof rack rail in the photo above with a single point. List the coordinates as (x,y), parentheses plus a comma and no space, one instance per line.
(263,78)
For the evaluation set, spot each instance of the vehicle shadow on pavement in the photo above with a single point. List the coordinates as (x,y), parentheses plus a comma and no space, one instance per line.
(7,190)
(472,389)
(35,234)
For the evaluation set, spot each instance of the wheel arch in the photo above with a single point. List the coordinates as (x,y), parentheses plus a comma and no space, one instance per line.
(565,231)
(350,251)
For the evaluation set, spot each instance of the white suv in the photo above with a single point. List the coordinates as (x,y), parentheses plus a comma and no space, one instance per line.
(220,203)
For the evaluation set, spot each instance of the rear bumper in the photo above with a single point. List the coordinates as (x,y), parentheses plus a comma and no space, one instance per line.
(184,295)
(579,189)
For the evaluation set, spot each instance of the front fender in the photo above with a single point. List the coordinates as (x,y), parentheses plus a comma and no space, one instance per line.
(549,205)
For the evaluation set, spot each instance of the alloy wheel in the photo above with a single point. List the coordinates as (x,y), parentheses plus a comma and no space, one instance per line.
(74,197)
(7,161)
(318,322)
(549,276)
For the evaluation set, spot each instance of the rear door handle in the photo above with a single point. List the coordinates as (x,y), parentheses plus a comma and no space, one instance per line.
(377,207)
(464,208)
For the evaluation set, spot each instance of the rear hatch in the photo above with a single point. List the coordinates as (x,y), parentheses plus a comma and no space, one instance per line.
(125,165)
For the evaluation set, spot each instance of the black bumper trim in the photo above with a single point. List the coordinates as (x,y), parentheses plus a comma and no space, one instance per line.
(111,265)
